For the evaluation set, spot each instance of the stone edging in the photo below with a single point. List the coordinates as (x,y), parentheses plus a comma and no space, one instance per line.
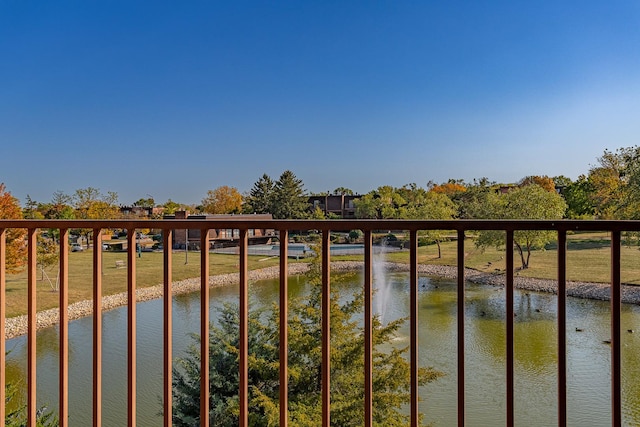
(598,291)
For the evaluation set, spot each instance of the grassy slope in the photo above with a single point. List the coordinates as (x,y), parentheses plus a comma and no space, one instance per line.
(114,280)
(588,259)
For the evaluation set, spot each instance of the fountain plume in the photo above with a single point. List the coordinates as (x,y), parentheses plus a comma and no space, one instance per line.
(381,285)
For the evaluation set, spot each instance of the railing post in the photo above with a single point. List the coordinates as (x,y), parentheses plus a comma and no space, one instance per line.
(326,330)
(131,325)
(510,315)
(616,367)
(31,337)
(167,255)
(97,336)
(284,329)
(244,330)
(63,412)
(461,319)
(131,322)
(562,328)
(413,310)
(368,331)
(204,327)
(3,313)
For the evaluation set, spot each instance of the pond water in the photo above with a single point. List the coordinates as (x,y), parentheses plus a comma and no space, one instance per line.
(535,359)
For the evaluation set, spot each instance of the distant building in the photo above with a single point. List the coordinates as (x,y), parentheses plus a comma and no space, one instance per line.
(141,212)
(220,237)
(504,189)
(340,205)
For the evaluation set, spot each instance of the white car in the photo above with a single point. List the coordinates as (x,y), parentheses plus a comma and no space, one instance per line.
(76,247)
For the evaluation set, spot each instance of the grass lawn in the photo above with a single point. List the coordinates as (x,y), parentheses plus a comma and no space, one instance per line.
(114,280)
(588,260)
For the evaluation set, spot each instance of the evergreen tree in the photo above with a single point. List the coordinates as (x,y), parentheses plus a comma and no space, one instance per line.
(17,415)
(290,200)
(391,369)
(343,190)
(260,198)
(31,209)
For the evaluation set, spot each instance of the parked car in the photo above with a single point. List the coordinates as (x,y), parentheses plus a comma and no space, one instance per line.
(76,247)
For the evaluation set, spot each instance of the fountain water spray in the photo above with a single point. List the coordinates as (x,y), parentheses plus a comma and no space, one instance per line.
(381,281)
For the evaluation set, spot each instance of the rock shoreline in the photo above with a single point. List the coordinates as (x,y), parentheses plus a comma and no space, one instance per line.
(630,294)
(17,326)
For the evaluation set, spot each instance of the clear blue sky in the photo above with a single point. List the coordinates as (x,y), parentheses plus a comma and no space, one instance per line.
(171,99)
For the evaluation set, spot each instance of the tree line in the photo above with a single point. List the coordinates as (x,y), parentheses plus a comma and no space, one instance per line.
(610,190)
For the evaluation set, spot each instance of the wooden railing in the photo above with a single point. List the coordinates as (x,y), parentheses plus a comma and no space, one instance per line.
(284,227)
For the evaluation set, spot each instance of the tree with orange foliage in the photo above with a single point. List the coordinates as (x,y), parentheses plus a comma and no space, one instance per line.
(543,181)
(222,200)
(448,188)
(16,249)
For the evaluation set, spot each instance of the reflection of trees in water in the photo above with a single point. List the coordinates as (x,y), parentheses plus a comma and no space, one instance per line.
(48,342)
(439,297)
(16,376)
(535,344)
(185,304)
(630,360)
(535,330)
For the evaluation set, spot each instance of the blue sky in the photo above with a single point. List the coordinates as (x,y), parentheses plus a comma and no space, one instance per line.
(171,99)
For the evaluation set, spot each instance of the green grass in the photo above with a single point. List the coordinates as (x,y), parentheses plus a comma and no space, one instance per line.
(588,260)
(149,272)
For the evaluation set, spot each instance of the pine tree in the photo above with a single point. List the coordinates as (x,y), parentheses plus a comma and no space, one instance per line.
(16,414)
(391,369)
(290,199)
(260,198)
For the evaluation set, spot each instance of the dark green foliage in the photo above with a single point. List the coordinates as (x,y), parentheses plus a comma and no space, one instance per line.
(471,203)
(528,202)
(354,235)
(577,195)
(17,414)
(284,199)
(290,199)
(391,370)
(260,198)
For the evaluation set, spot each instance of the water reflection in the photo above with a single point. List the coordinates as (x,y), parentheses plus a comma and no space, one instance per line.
(535,353)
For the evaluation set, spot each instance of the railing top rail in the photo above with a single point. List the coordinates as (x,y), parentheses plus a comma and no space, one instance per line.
(333,225)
